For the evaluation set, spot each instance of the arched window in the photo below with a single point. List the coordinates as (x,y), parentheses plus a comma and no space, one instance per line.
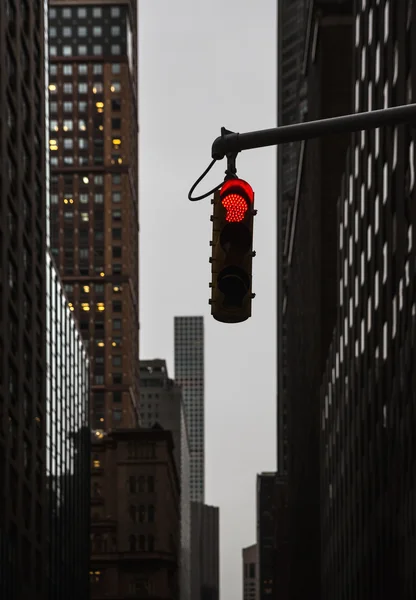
(132,543)
(132,513)
(142,513)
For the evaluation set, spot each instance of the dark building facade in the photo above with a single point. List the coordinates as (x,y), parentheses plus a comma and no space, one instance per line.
(135,510)
(368,409)
(23,551)
(67,447)
(205,552)
(291,25)
(307,263)
(250,573)
(94,191)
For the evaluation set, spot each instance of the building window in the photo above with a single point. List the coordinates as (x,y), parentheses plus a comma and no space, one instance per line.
(66,13)
(68,143)
(82,13)
(68,106)
(117,250)
(97,30)
(115,49)
(115,30)
(67,88)
(67,51)
(116,215)
(116,68)
(97,69)
(53,51)
(52,32)
(99,198)
(82,31)
(68,125)
(116,323)
(116,197)
(97,49)
(97,12)
(82,50)
(117,360)
(82,69)
(67,69)
(117,415)
(115,11)
(67,31)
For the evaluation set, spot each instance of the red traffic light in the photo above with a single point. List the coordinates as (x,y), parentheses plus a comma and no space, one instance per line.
(236,197)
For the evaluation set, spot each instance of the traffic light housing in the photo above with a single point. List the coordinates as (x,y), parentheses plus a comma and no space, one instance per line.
(232,251)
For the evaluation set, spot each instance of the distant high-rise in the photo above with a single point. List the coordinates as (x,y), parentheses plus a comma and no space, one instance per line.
(23,512)
(161,402)
(94,190)
(67,447)
(250,573)
(189,374)
(205,552)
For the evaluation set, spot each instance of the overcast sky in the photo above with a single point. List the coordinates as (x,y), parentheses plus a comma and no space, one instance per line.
(204,65)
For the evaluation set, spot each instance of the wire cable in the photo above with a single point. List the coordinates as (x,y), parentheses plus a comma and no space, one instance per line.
(217,187)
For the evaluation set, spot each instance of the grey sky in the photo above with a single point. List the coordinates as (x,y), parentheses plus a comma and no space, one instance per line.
(204,65)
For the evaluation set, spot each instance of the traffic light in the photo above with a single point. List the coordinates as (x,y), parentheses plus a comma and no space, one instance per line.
(232,243)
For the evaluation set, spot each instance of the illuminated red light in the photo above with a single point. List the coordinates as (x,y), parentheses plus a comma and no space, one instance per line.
(236,202)
(236,207)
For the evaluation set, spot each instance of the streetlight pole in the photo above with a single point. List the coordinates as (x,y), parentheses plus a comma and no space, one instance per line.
(230,142)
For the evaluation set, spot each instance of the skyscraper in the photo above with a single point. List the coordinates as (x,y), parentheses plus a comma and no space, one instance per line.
(291,24)
(368,402)
(250,573)
(307,279)
(68,447)
(205,552)
(161,402)
(189,374)
(23,520)
(94,191)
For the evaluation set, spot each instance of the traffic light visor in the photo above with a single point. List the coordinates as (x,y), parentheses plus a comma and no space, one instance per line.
(236,197)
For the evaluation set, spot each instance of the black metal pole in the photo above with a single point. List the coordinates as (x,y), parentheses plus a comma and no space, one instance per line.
(236,142)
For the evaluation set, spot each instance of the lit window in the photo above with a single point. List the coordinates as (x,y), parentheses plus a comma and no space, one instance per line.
(52,13)
(67,31)
(67,69)
(68,106)
(116,142)
(116,68)
(68,143)
(97,30)
(98,179)
(99,198)
(83,198)
(82,143)
(54,198)
(82,125)
(82,107)
(66,13)
(82,31)
(97,87)
(68,125)
(53,124)
(115,49)
(53,51)
(115,86)
(67,51)
(84,217)
(68,160)
(54,161)
(53,69)
(85,179)
(97,69)
(82,69)
(115,11)
(52,32)
(67,88)
(53,107)
(82,13)
(82,50)
(115,30)
(97,49)
(97,13)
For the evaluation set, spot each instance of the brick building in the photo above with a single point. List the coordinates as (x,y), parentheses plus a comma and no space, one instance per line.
(135,513)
